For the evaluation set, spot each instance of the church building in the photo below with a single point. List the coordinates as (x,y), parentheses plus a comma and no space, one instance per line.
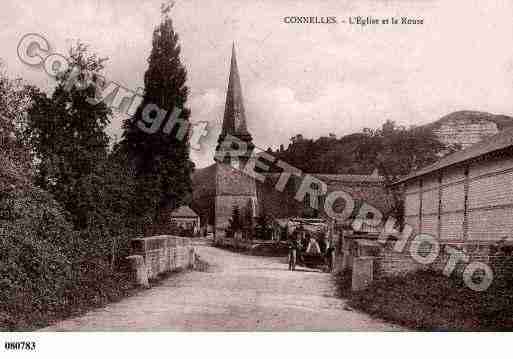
(218,188)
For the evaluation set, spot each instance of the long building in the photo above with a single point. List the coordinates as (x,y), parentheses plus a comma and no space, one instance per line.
(466,196)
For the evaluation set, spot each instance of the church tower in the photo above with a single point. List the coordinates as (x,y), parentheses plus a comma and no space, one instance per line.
(233,187)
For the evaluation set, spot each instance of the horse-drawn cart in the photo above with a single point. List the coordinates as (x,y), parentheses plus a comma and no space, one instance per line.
(313,237)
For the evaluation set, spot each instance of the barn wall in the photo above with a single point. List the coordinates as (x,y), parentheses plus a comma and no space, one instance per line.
(465,203)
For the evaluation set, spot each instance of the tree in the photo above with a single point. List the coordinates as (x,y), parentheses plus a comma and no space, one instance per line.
(67,134)
(393,150)
(397,151)
(15,98)
(263,228)
(235,222)
(16,168)
(161,160)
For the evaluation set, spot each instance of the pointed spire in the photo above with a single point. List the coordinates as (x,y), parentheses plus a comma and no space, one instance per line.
(234,121)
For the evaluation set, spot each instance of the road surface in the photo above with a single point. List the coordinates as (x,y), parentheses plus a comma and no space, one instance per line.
(238,293)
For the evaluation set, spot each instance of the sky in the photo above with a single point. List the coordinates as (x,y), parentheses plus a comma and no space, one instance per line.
(313,79)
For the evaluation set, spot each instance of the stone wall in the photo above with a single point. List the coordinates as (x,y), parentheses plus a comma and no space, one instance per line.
(153,256)
(359,255)
(496,255)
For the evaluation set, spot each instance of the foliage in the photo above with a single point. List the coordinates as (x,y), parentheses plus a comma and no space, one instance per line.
(65,226)
(161,160)
(67,134)
(47,269)
(15,99)
(324,155)
(235,224)
(428,300)
(15,159)
(263,229)
(241,220)
(59,247)
(394,151)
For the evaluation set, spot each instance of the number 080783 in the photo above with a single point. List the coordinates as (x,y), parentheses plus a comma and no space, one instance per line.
(28,346)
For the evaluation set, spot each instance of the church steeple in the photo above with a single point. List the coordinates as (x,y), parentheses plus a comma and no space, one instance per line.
(234,120)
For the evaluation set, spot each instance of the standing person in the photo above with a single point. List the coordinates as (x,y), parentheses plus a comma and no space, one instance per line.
(330,254)
(293,248)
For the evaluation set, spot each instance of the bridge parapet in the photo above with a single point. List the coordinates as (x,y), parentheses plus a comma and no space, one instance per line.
(152,256)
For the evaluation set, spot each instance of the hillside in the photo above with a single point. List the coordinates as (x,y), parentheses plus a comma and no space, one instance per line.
(466,128)
(348,154)
(502,121)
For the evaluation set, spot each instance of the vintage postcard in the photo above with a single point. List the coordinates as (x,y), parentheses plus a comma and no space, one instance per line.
(249,166)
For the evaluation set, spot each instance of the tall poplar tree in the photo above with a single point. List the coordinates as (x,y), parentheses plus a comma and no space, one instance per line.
(161,159)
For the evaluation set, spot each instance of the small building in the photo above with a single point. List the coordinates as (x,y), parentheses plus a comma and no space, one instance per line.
(184,218)
(466,196)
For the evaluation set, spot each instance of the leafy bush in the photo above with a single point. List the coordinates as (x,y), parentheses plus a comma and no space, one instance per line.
(48,270)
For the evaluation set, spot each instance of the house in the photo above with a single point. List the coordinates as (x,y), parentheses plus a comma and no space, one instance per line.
(186,219)
(466,196)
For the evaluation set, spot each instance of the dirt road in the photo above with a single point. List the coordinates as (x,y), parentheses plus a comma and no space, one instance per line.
(239,292)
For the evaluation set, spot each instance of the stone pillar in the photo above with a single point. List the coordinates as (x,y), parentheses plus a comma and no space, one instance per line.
(362,272)
(139,270)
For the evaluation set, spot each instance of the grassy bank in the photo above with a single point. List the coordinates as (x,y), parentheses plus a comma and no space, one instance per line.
(429,301)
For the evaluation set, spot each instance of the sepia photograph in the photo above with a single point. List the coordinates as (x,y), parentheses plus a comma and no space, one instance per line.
(255,166)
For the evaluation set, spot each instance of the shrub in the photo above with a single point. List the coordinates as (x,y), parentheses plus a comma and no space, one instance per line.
(48,270)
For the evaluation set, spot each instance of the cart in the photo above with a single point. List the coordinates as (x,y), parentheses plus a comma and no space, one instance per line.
(313,235)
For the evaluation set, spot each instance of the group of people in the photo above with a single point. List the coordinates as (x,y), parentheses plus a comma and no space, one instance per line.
(302,242)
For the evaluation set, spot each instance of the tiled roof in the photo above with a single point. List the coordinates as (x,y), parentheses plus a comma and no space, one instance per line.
(500,141)
(348,178)
(183,211)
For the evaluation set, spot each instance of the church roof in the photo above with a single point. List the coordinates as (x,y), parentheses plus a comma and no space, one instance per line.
(204,181)
(183,212)
(234,120)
